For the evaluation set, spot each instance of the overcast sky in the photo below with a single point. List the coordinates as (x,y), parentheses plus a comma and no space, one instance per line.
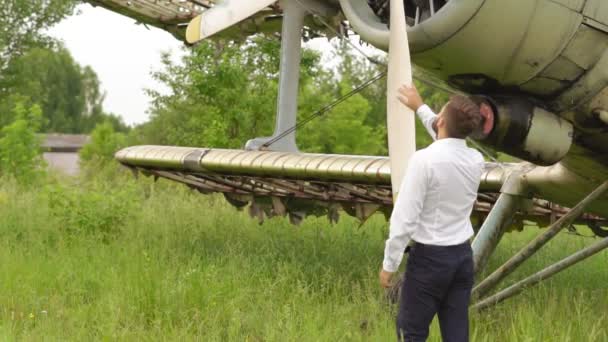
(122,53)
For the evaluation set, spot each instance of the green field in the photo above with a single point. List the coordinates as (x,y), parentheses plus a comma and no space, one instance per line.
(149,261)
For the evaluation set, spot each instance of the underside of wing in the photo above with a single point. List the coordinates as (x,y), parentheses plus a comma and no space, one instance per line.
(271,183)
(174,16)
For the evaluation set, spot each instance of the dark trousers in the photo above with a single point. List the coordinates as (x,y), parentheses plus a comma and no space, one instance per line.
(438,280)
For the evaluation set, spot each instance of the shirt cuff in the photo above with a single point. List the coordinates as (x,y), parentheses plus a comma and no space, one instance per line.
(389,266)
(394,256)
(424,108)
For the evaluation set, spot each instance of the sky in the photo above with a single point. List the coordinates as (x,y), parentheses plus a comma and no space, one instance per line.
(122,53)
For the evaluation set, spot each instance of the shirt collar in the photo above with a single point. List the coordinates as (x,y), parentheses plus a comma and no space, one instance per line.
(451,142)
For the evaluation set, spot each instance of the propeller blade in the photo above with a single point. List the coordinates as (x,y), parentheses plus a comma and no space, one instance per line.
(400,119)
(222,16)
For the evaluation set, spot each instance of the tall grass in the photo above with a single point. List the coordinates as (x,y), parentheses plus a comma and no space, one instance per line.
(175,265)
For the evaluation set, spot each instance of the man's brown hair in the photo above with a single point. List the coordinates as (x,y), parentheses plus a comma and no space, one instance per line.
(461,116)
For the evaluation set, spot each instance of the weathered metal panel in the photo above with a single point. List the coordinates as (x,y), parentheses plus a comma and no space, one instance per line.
(504,44)
(587,46)
(563,69)
(597,10)
(544,86)
(576,5)
(544,40)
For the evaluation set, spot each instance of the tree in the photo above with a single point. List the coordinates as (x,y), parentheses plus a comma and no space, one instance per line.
(23,23)
(104,143)
(20,154)
(68,94)
(225,93)
(221,95)
(344,130)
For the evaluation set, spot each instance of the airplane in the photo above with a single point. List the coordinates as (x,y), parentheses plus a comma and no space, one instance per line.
(542,66)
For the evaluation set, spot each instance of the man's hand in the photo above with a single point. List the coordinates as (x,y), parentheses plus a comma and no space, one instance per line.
(410,97)
(386,278)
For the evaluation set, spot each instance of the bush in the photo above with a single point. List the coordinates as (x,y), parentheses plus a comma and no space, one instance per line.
(105,141)
(99,211)
(20,154)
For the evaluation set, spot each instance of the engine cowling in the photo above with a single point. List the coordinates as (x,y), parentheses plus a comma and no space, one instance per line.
(540,48)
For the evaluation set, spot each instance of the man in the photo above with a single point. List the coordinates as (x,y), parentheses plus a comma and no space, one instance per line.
(433,211)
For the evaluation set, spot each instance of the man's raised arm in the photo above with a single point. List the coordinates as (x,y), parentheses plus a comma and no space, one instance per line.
(410,97)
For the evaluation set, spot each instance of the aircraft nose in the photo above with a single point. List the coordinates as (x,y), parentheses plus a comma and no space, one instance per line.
(430,22)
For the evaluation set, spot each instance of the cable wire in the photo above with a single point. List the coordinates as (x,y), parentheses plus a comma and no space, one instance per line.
(325,109)
(355,91)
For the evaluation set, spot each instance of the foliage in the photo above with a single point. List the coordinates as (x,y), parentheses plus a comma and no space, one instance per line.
(23,25)
(94,210)
(20,153)
(225,93)
(218,95)
(68,94)
(344,130)
(183,267)
(104,143)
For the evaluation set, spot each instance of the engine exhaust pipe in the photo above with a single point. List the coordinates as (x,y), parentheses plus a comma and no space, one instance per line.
(528,132)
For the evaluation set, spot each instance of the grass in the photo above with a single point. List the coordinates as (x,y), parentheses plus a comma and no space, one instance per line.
(158,262)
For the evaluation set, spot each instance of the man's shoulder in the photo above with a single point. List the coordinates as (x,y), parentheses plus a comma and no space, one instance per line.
(477,155)
(420,158)
(422,154)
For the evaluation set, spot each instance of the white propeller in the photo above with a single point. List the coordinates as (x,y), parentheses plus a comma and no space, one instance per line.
(400,119)
(222,16)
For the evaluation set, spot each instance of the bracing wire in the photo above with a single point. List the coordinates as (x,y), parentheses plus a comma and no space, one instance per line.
(325,109)
(362,87)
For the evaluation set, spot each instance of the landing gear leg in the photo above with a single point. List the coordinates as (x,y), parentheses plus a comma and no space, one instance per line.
(289,78)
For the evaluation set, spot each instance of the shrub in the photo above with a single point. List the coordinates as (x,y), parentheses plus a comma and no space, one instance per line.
(105,141)
(99,211)
(20,154)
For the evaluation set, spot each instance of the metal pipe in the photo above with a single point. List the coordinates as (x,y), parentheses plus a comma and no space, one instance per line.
(493,228)
(542,275)
(537,243)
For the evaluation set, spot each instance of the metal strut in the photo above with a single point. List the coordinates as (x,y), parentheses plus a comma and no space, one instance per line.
(493,228)
(499,218)
(542,275)
(487,284)
(289,78)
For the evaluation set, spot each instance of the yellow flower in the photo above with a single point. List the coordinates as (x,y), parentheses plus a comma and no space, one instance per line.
(31,315)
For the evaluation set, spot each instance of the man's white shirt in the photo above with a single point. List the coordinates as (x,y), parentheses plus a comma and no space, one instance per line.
(436,196)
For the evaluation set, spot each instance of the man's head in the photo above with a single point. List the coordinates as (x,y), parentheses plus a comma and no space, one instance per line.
(458,118)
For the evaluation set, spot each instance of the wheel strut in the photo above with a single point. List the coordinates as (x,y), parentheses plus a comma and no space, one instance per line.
(491,281)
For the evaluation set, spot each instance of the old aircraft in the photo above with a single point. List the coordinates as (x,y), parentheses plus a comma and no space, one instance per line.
(542,64)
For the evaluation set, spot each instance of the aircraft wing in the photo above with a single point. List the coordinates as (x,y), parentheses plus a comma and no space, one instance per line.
(174,16)
(300,184)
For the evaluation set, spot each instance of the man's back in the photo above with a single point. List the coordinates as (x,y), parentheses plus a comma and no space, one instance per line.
(433,207)
(453,176)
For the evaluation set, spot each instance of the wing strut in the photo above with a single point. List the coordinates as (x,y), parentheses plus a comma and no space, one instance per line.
(531,248)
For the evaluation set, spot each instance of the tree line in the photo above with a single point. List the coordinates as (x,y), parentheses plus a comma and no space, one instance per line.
(220,94)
